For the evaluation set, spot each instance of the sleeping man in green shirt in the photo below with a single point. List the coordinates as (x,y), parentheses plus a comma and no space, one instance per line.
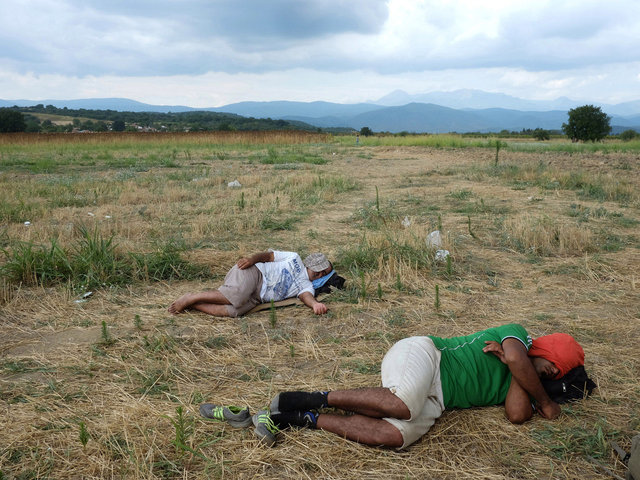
(422,376)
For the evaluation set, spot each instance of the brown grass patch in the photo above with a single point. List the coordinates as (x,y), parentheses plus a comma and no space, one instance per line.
(57,368)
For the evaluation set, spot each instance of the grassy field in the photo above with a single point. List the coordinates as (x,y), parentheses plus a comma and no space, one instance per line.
(107,384)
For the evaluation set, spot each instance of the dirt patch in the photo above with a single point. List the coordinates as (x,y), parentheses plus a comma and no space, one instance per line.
(43,344)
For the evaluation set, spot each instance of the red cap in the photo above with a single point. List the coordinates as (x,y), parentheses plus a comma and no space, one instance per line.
(561,349)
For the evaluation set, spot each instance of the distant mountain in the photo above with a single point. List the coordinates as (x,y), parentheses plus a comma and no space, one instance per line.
(476,99)
(419,117)
(282,109)
(422,117)
(436,112)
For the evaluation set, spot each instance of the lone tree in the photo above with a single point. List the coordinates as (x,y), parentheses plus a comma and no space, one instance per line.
(366,132)
(11,121)
(587,123)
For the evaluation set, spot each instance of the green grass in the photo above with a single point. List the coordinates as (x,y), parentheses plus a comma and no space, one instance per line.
(365,256)
(584,440)
(296,155)
(93,262)
(435,141)
(568,147)
(588,185)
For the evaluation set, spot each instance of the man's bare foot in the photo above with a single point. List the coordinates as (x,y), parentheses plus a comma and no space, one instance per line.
(181,303)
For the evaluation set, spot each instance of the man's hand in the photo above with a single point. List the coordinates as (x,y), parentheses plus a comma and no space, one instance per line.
(262,257)
(496,349)
(319,308)
(310,301)
(550,411)
(244,263)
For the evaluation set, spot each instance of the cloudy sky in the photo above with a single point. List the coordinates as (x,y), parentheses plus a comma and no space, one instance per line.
(206,53)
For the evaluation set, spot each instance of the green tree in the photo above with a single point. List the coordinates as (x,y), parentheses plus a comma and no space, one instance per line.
(11,121)
(118,126)
(628,135)
(366,132)
(541,134)
(587,123)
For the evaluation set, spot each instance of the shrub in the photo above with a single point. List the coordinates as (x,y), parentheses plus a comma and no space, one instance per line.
(628,135)
(541,134)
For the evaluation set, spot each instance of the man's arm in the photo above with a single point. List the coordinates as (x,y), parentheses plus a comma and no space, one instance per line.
(309,300)
(261,257)
(524,382)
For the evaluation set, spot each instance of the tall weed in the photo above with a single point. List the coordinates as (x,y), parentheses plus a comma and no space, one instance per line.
(31,264)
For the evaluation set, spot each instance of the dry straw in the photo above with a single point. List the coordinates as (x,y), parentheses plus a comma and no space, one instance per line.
(126,382)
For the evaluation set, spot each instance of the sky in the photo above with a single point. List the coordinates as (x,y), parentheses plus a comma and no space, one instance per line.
(209,53)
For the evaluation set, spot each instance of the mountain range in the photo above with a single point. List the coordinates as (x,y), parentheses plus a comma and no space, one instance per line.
(436,112)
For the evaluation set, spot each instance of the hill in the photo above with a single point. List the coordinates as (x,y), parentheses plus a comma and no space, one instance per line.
(436,112)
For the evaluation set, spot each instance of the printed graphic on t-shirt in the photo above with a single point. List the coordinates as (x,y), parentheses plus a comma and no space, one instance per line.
(281,288)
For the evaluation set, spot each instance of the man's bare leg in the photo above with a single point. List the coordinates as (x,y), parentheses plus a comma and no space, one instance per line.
(361,429)
(211,309)
(190,299)
(377,402)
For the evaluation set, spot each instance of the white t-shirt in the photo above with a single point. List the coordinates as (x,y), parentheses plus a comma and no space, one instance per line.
(285,277)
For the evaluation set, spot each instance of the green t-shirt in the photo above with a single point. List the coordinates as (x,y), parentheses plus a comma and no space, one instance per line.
(470,377)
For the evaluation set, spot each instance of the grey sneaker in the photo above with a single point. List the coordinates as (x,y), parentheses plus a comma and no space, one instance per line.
(235,416)
(265,430)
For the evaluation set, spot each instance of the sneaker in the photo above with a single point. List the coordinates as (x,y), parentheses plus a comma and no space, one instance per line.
(235,416)
(265,430)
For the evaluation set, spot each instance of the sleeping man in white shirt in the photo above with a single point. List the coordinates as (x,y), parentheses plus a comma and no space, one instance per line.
(260,278)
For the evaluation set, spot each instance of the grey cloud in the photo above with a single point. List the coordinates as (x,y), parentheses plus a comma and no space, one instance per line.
(148,37)
(151,37)
(251,20)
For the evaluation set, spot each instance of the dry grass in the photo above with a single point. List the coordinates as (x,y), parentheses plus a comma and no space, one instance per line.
(176,139)
(549,258)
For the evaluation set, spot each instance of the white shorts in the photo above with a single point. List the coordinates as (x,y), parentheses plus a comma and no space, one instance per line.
(411,370)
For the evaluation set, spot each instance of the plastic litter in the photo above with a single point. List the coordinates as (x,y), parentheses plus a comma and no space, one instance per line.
(441,255)
(26,224)
(235,183)
(434,240)
(84,297)
(406,223)
(91,214)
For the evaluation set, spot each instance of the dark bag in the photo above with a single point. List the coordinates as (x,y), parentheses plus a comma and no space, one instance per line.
(336,281)
(575,385)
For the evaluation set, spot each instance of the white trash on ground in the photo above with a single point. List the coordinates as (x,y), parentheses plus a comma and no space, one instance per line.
(84,297)
(406,223)
(235,183)
(441,255)
(434,240)
(27,223)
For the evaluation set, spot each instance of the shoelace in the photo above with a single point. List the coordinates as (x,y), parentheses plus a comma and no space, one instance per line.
(266,420)
(218,413)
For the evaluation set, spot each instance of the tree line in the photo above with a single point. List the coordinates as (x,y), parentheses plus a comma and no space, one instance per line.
(586,123)
(26,119)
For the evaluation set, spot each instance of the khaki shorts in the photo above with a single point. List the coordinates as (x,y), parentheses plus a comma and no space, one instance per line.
(411,370)
(242,289)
